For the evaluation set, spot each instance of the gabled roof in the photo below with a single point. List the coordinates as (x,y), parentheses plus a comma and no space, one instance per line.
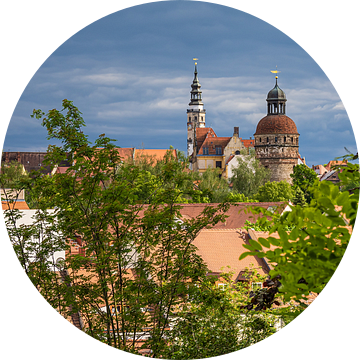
(221,248)
(16,205)
(202,133)
(248,142)
(333,163)
(125,153)
(212,142)
(156,154)
(236,214)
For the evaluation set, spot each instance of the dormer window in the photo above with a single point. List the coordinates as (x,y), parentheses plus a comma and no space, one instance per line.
(205,151)
(218,150)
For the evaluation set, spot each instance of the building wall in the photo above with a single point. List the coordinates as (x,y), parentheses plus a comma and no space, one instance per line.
(279,153)
(204,162)
(234,145)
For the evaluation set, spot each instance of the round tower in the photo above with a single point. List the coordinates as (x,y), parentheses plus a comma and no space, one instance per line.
(277,138)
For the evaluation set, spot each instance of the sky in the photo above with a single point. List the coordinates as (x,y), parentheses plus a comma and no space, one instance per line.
(130,72)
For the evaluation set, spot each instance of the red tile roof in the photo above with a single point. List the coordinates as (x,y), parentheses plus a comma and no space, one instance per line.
(16,205)
(125,153)
(248,142)
(156,154)
(276,124)
(212,142)
(236,214)
(221,248)
(202,133)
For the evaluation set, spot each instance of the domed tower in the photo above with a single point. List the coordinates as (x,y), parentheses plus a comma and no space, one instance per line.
(195,113)
(277,138)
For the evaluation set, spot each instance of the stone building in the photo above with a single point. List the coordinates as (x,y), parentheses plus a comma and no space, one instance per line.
(277,138)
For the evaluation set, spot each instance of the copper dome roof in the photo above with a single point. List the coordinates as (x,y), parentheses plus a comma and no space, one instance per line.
(276,124)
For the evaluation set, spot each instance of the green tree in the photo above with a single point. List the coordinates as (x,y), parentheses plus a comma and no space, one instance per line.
(304,178)
(11,174)
(212,186)
(218,319)
(138,258)
(306,257)
(299,197)
(234,196)
(274,191)
(249,175)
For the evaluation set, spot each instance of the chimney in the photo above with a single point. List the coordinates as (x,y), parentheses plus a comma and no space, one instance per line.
(236,131)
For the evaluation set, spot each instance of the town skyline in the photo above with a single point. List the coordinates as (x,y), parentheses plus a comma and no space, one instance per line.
(134,86)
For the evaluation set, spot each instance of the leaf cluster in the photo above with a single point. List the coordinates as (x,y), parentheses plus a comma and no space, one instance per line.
(307,256)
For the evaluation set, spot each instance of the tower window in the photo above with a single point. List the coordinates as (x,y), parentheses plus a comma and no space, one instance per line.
(292,139)
(267,139)
(276,139)
(189,118)
(259,139)
(284,138)
(195,118)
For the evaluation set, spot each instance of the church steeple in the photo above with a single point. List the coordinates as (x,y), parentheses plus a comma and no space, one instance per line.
(195,113)
(195,90)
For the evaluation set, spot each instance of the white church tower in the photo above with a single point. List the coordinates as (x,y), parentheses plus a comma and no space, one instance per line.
(195,113)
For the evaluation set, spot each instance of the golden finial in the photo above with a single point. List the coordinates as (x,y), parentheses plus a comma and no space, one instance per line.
(195,59)
(275,72)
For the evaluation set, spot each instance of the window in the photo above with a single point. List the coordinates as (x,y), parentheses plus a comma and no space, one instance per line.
(255,286)
(284,139)
(218,150)
(259,139)
(237,152)
(205,151)
(276,139)
(222,286)
(218,164)
(267,139)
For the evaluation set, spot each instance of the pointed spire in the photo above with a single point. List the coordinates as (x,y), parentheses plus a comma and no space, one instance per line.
(195,89)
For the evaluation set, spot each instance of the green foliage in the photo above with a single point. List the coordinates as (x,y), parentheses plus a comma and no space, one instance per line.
(235,197)
(216,320)
(249,175)
(213,187)
(274,191)
(299,197)
(138,258)
(304,178)
(307,256)
(11,174)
